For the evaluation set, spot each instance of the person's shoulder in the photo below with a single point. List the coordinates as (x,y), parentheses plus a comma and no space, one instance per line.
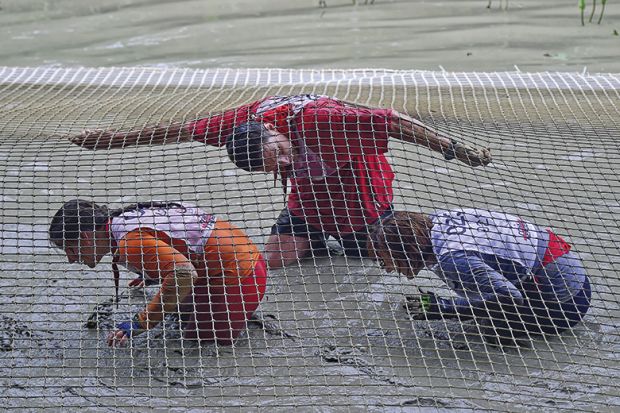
(139,235)
(323,103)
(327,100)
(352,108)
(240,109)
(225,226)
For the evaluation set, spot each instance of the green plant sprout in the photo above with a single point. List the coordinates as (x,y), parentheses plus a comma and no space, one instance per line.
(603,2)
(582,8)
(500,4)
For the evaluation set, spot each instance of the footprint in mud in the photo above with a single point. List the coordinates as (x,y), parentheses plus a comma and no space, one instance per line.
(331,353)
(11,329)
(425,402)
(271,324)
(102,313)
(471,336)
(445,339)
(355,357)
(101,316)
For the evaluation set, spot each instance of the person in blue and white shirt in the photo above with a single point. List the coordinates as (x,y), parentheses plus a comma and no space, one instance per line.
(517,277)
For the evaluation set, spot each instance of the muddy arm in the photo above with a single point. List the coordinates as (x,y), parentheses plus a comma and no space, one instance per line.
(108,139)
(408,129)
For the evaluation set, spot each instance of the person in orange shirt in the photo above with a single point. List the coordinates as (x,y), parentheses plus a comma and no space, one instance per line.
(212,275)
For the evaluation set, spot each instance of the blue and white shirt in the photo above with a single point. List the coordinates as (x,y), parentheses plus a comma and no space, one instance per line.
(485,256)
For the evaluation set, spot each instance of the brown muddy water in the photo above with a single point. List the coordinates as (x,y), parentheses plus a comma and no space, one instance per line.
(331,334)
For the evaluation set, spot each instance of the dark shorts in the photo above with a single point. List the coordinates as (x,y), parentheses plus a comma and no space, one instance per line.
(353,245)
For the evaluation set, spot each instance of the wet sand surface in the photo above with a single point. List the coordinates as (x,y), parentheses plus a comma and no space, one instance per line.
(331,334)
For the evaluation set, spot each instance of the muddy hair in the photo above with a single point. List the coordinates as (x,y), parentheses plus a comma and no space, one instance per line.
(77,216)
(245,145)
(406,236)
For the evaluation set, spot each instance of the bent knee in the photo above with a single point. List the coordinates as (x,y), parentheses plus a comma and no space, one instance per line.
(283,250)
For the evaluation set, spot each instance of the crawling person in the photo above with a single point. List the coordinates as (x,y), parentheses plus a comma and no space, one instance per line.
(514,276)
(211,273)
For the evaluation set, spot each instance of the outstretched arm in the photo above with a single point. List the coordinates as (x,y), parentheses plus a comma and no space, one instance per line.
(408,129)
(108,139)
(211,130)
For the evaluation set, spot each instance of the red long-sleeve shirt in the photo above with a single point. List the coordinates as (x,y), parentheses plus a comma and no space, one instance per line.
(342,180)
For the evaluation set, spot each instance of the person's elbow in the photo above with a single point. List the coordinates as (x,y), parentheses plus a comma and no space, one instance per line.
(186,271)
(395,126)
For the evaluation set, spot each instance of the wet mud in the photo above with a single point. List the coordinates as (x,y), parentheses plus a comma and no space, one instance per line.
(332,333)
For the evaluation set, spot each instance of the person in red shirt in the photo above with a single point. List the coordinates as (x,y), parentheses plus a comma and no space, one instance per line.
(333,153)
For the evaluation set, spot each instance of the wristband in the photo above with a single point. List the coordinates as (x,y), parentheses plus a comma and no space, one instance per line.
(450,153)
(130,327)
(425,302)
(429,305)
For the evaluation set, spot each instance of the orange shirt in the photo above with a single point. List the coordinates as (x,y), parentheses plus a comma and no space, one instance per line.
(229,256)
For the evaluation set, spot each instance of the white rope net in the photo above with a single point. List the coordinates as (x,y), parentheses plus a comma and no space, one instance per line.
(331,332)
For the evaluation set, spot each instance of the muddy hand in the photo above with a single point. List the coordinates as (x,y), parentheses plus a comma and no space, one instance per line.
(422,306)
(124,330)
(117,338)
(472,156)
(92,139)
